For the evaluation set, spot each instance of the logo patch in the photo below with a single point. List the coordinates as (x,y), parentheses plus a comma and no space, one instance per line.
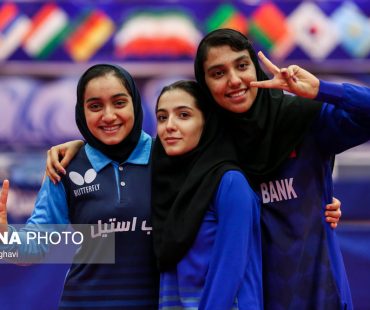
(78,179)
(88,178)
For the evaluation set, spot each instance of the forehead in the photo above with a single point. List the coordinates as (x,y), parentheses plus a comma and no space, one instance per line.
(175,98)
(220,55)
(107,82)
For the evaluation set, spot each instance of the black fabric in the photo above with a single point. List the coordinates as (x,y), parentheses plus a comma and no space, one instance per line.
(272,128)
(121,151)
(182,189)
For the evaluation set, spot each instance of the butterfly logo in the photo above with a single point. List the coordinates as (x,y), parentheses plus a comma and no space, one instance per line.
(78,179)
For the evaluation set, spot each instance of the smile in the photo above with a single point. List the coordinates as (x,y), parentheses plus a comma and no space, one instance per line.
(237,94)
(110,129)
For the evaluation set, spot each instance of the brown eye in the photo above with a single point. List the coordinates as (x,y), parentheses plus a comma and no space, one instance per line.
(94,106)
(184,115)
(161,118)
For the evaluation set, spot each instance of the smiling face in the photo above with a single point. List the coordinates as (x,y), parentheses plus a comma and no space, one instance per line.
(108,109)
(179,122)
(227,75)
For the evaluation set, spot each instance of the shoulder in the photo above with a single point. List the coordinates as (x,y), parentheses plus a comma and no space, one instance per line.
(233,182)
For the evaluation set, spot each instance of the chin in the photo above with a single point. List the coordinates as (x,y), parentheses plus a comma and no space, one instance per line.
(171,152)
(112,142)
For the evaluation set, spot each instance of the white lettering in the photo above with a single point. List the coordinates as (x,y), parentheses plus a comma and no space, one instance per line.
(265,193)
(14,238)
(278,190)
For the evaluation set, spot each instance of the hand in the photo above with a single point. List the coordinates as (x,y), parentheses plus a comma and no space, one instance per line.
(333,213)
(59,157)
(3,212)
(293,79)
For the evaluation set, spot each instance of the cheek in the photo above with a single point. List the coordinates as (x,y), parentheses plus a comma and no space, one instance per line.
(197,133)
(90,119)
(160,131)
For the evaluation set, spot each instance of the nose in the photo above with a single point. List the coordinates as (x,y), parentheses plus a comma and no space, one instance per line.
(171,124)
(234,79)
(109,115)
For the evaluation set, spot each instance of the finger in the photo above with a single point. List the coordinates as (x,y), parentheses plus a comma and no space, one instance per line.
(65,161)
(268,64)
(3,201)
(262,84)
(288,75)
(336,214)
(50,171)
(332,219)
(335,205)
(333,225)
(336,202)
(4,193)
(54,158)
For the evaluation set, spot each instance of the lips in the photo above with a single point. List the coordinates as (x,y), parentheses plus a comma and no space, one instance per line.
(110,129)
(236,94)
(171,140)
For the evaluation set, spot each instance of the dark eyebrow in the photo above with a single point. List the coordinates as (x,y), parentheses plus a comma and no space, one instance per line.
(176,108)
(242,57)
(113,97)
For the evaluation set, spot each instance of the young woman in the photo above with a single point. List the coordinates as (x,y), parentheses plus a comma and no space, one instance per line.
(205,214)
(107,182)
(286,145)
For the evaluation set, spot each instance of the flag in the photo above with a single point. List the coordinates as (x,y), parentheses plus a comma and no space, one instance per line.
(88,34)
(48,30)
(151,34)
(13,28)
(268,26)
(227,16)
(314,32)
(354,29)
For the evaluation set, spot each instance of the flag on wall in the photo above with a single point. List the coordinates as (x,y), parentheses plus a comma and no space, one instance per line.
(314,32)
(13,27)
(354,29)
(157,34)
(268,26)
(227,16)
(47,31)
(88,34)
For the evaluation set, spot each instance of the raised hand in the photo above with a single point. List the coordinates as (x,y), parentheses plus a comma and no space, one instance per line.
(293,79)
(3,211)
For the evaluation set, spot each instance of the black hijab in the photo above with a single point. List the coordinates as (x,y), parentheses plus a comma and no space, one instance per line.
(183,186)
(276,123)
(121,151)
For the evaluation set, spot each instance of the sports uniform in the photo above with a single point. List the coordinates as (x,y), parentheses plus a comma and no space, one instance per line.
(302,263)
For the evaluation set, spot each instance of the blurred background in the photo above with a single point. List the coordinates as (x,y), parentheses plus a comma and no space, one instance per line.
(46,45)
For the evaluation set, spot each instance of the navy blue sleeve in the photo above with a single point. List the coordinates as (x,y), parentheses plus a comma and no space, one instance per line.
(344,121)
(237,207)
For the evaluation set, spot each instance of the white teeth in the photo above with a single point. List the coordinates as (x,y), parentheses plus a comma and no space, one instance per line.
(240,93)
(111,128)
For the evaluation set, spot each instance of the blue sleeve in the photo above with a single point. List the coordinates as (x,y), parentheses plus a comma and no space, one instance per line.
(352,98)
(50,208)
(238,209)
(345,122)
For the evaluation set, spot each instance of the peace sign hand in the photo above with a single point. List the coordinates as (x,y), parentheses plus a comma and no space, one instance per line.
(293,79)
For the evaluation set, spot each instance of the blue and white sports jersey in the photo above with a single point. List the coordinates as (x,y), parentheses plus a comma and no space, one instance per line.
(302,262)
(95,189)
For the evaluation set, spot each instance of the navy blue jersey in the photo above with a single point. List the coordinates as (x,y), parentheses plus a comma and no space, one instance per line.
(98,189)
(302,262)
